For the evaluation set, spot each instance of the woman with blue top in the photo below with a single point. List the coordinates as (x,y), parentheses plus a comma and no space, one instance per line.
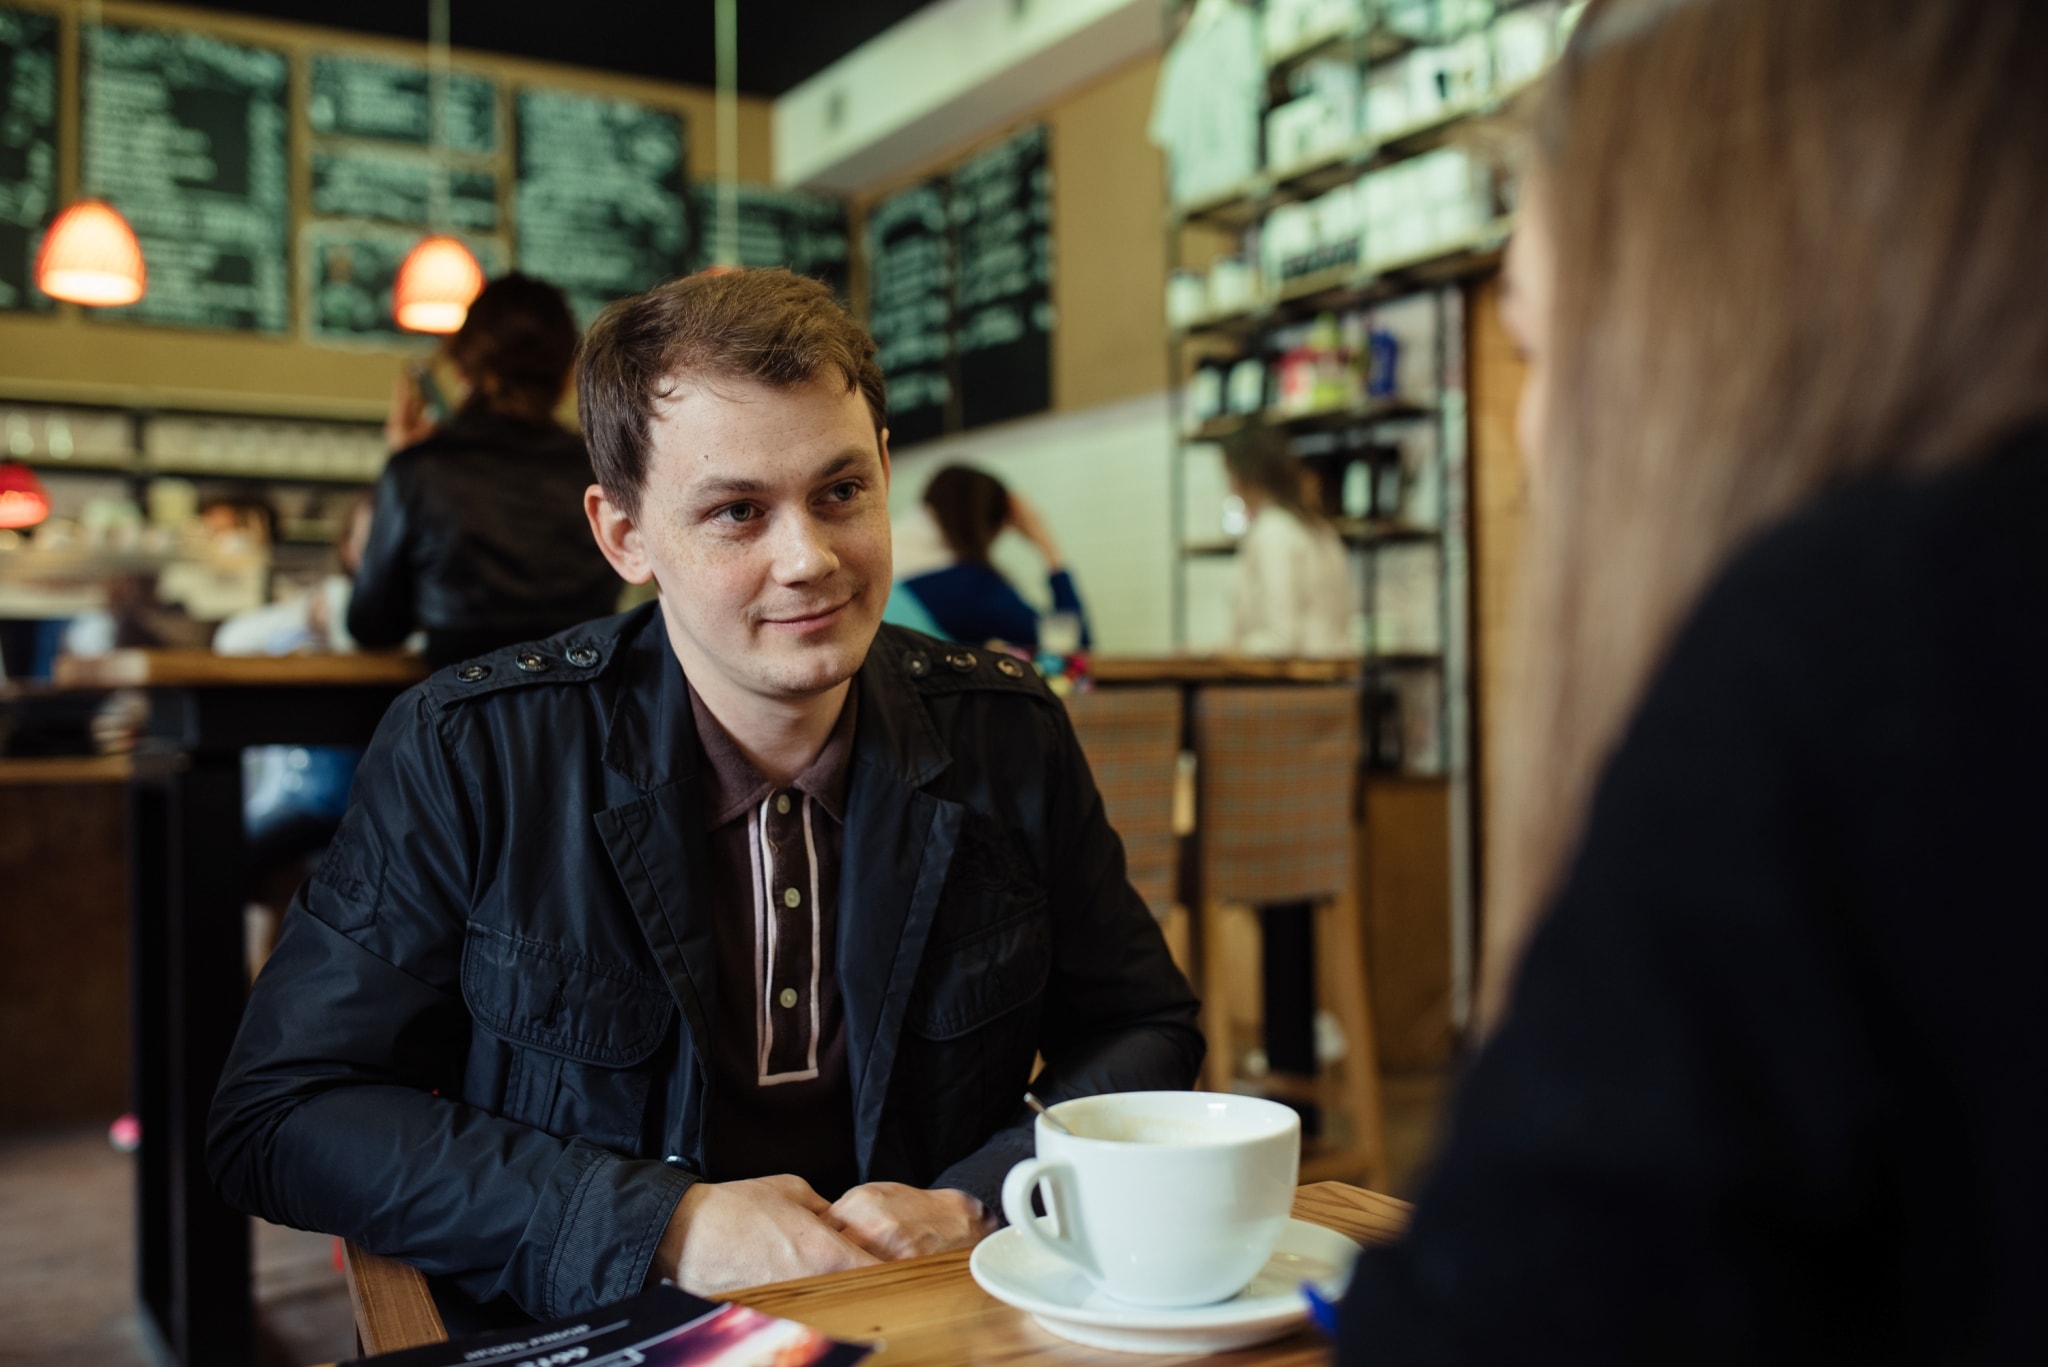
(945,583)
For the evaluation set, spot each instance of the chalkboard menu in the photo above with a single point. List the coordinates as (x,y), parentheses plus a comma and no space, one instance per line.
(910,308)
(350,271)
(600,200)
(28,150)
(357,97)
(186,135)
(804,232)
(398,187)
(1002,325)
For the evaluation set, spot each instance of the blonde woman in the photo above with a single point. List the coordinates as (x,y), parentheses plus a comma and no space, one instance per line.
(1292,595)
(1765,1083)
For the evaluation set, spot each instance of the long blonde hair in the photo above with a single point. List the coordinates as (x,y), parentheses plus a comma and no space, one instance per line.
(1795,241)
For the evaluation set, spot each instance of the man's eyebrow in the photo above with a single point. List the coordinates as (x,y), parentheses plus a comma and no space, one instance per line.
(740,486)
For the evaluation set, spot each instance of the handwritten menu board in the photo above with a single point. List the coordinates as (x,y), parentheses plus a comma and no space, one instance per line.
(350,269)
(600,201)
(804,232)
(358,97)
(186,135)
(1002,324)
(398,187)
(28,150)
(910,308)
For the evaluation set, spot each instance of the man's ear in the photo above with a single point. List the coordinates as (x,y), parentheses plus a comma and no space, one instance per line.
(882,438)
(617,535)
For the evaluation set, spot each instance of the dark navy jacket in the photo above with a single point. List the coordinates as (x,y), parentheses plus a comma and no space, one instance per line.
(480,1044)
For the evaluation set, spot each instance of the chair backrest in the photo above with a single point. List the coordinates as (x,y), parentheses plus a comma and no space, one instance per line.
(1278,780)
(1132,738)
(393,1307)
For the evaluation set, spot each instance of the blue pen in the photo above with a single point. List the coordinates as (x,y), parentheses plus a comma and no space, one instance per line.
(1322,1311)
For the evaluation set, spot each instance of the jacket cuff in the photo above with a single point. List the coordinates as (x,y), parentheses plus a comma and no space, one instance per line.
(980,1174)
(610,1222)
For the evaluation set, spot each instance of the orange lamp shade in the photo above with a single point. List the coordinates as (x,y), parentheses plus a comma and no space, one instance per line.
(435,285)
(90,256)
(22,500)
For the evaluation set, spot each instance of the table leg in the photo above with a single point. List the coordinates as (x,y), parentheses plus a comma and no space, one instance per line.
(149,1044)
(211,1318)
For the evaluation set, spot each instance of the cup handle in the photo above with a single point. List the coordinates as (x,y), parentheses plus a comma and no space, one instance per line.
(1069,1245)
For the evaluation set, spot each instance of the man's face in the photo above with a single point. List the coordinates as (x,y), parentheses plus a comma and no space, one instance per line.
(765,523)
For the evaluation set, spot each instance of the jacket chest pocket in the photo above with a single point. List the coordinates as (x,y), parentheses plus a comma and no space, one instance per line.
(577,1034)
(971,1029)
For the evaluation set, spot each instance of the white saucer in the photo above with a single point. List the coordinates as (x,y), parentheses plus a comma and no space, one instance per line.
(1018,1272)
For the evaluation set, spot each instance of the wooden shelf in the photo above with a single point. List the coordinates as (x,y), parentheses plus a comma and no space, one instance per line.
(1322,420)
(1356,531)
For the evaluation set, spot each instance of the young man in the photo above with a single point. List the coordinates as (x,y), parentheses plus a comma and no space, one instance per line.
(713,941)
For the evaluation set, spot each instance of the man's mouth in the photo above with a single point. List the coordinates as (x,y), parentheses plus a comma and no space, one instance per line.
(808,618)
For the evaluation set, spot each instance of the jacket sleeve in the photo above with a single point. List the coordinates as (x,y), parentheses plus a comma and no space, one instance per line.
(335,1111)
(381,611)
(1067,598)
(1118,1014)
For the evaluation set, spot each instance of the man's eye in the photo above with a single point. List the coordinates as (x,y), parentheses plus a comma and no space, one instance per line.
(846,491)
(737,512)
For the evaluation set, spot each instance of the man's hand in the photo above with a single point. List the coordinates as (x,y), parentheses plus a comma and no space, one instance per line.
(893,1221)
(728,1235)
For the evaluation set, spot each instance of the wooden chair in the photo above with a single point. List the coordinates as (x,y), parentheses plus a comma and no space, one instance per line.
(1132,738)
(393,1308)
(1278,784)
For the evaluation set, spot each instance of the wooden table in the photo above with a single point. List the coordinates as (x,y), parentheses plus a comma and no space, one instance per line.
(929,1312)
(1189,670)
(923,1312)
(187,981)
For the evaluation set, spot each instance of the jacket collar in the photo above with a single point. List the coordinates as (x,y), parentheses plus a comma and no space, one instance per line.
(651,737)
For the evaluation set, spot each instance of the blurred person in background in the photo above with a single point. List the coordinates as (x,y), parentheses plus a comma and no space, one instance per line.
(1293,591)
(943,573)
(479,537)
(293,796)
(1767,1083)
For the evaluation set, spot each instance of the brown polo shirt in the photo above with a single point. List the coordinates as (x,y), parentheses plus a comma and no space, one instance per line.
(780,1100)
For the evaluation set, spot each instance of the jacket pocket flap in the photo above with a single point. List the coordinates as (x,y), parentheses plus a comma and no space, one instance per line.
(547,997)
(981,977)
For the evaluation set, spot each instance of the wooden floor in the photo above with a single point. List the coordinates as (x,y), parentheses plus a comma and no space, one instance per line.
(67,1269)
(67,1265)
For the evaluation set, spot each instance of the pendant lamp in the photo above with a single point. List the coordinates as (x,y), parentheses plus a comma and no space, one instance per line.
(435,285)
(90,256)
(438,278)
(23,503)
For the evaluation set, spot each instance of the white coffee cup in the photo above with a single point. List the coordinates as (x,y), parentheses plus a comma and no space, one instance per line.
(1161,1198)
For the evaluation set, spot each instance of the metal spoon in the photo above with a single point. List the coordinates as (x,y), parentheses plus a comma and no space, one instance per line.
(1039,1106)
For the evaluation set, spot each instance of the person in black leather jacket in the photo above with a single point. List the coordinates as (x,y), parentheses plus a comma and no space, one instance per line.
(495,1036)
(478,537)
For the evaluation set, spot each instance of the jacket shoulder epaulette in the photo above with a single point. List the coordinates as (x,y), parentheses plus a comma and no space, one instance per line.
(571,657)
(936,666)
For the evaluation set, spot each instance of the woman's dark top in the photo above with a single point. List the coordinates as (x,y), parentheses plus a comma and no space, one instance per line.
(479,539)
(974,603)
(1773,1085)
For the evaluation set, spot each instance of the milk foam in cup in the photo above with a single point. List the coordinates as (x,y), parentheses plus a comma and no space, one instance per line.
(1161,1199)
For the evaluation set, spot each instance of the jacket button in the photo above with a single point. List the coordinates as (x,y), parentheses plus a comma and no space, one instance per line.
(917,664)
(583,657)
(533,662)
(473,673)
(1010,667)
(961,660)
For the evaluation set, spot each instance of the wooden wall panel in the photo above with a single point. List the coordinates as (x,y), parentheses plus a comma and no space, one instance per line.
(1499,501)
(1109,248)
(63,953)
(1405,863)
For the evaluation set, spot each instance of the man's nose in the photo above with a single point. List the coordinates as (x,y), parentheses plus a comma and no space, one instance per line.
(803,550)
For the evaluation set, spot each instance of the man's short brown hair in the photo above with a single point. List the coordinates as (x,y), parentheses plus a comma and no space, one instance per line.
(770,326)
